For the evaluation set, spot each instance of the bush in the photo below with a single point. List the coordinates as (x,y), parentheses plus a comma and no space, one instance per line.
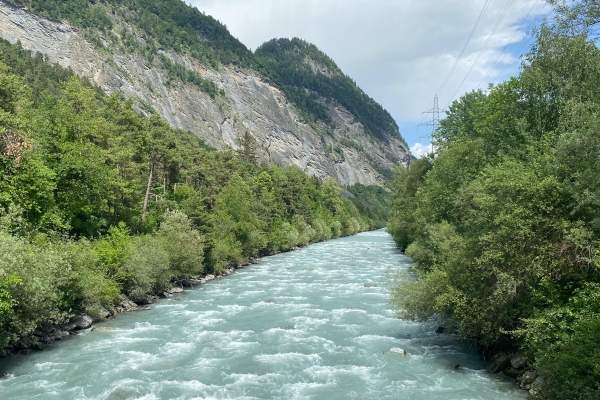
(147,269)
(183,244)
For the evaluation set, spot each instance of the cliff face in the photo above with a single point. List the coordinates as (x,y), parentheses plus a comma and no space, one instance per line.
(341,149)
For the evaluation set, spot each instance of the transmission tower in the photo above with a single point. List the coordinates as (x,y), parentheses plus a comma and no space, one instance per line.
(434,122)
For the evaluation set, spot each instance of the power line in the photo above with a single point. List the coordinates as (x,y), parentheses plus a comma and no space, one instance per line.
(483,48)
(510,42)
(485,6)
(524,44)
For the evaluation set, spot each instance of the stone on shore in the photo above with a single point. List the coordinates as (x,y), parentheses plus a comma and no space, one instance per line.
(126,305)
(527,379)
(518,361)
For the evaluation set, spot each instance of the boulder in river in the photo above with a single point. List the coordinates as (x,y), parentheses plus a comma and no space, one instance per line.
(440,330)
(176,289)
(499,363)
(396,350)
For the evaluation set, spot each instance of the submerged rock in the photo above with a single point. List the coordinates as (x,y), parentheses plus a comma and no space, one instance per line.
(370,285)
(396,350)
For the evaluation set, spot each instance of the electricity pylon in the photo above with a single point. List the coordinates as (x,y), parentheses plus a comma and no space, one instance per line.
(435,120)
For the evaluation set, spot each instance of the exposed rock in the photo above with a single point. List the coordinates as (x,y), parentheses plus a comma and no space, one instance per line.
(518,361)
(440,330)
(58,334)
(251,102)
(193,281)
(499,363)
(511,372)
(147,299)
(176,289)
(102,315)
(396,350)
(536,387)
(527,379)
(126,305)
(3,375)
(208,278)
(82,321)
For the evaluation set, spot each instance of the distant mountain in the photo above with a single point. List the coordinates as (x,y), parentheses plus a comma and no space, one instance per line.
(174,60)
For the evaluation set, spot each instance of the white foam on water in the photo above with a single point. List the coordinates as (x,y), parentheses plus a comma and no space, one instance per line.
(303,390)
(331,372)
(252,379)
(175,349)
(285,358)
(376,338)
(138,359)
(47,385)
(49,365)
(304,322)
(232,309)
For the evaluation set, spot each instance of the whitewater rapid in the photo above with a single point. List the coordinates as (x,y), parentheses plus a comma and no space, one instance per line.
(309,324)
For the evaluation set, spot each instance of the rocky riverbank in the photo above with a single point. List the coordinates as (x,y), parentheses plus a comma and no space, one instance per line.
(80,322)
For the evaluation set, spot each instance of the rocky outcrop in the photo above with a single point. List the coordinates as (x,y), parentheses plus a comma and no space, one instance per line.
(342,150)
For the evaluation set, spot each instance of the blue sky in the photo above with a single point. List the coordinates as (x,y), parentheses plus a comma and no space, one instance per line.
(398,51)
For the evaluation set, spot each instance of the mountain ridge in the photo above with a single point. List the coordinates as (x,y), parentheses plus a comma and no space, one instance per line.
(216,91)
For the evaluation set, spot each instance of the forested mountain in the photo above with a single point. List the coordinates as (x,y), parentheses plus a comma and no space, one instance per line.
(173,60)
(504,222)
(309,78)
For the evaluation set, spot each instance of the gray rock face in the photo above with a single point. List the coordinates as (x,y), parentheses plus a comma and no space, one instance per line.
(250,103)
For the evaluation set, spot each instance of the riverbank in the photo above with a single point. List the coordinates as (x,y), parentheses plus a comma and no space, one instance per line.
(81,322)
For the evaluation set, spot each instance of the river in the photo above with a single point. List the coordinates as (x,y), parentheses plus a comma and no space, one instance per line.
(309,324)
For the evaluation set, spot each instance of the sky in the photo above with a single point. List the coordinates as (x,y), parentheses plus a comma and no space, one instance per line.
(398,51)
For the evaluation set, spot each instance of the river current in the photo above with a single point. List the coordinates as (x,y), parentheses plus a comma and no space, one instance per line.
(309,324)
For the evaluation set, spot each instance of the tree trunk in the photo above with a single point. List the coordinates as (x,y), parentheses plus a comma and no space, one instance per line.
(145,209)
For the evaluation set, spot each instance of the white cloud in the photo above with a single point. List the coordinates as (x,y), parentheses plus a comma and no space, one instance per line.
(420,149)
(399,52)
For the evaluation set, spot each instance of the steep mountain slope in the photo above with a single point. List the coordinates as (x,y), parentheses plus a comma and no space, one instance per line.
(176,61)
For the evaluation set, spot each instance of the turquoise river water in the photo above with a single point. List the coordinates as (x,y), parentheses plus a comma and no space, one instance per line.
(299,325)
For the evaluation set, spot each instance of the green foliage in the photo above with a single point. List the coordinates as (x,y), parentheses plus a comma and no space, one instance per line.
(503,223)
(97,202)
(373,202)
